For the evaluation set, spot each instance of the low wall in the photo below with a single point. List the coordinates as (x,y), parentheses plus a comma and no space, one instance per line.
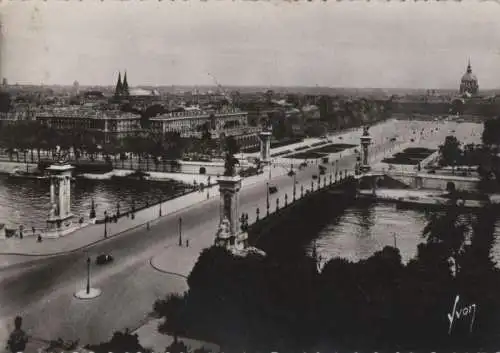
(8,166)
(211,168)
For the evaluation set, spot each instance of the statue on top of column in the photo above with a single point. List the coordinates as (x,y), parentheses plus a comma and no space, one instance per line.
(365,131)
(61,157)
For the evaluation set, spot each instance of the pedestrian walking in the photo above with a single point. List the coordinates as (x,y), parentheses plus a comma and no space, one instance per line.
(187,243)
(147,225)
(18,338)
(39,239)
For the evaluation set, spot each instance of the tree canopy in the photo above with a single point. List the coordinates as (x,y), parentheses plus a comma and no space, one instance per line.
(257,303)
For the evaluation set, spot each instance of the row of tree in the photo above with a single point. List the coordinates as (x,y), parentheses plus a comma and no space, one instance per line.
(261,303)
(31,137)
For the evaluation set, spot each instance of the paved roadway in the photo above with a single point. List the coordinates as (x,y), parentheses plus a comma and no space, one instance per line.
(42,290)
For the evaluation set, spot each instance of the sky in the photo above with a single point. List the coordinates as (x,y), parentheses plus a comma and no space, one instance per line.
(359,44)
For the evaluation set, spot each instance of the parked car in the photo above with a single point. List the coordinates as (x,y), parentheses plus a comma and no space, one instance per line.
(315,177)
(291,173)
(103,259)
(273,189)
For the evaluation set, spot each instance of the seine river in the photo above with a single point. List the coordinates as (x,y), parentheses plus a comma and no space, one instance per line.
(26,202)
(356,234)
(361,230)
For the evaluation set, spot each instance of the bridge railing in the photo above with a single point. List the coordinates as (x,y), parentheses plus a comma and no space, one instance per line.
(276,203)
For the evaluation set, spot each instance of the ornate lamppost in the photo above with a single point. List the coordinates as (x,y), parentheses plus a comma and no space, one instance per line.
(244,222)
(92,209)
(88,276)
(294,186)
(180,231)
(267,198)
(105,224)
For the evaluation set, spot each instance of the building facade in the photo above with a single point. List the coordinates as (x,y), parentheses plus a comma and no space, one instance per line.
(469,84)
(222,123)
(107,125)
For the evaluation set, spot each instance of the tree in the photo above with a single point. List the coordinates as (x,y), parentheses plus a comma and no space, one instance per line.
(121,342)
(450,151)
(491,132)
(177,347)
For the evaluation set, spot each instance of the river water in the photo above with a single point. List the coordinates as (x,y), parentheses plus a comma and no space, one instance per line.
(26,202)
(362,230)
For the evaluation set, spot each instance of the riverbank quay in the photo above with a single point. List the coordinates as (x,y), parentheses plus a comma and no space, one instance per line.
(426,198)
(186,178)
(91,234)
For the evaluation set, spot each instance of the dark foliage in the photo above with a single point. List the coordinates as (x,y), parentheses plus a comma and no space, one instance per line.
(121,342)
(272,303)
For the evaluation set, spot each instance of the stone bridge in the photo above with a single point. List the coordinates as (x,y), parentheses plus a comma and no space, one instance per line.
(414,180)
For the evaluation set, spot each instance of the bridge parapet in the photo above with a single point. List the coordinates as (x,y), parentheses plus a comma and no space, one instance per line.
(286,205)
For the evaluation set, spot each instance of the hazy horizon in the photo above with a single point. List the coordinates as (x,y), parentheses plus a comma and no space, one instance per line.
(335,45)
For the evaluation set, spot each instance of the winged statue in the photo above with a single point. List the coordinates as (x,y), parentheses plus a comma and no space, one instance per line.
(61,157)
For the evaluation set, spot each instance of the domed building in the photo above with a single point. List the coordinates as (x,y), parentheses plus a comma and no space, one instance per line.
(468,84)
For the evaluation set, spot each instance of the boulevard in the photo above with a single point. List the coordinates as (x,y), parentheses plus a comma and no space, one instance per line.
(41,290)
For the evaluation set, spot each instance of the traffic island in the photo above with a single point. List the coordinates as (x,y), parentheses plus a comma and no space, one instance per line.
(176,260)
(90,294)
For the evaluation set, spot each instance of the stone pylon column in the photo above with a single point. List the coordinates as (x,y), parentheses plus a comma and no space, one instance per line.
(229,235)
(60,184)
(366,141)
(265,146)
(52,191)
(68,193)
(62,197)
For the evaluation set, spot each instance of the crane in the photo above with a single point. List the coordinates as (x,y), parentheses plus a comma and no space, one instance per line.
(229,99)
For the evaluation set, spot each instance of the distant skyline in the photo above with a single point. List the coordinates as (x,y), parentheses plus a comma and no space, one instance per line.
(377,44)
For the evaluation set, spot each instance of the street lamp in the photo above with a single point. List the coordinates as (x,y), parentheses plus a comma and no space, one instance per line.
(159,212)
(267,198)
(180,231)
(88,275)
(105,224)
(294,186)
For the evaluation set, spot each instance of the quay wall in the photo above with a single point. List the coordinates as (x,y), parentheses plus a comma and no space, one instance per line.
(9,166)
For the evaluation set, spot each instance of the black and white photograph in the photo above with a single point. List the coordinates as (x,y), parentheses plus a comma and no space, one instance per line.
(249,176)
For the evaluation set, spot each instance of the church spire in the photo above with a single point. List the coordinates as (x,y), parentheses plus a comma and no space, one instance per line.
(125,85)
(469,68)
(119,87)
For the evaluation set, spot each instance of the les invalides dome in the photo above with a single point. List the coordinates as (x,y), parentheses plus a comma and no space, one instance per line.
(468,84)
